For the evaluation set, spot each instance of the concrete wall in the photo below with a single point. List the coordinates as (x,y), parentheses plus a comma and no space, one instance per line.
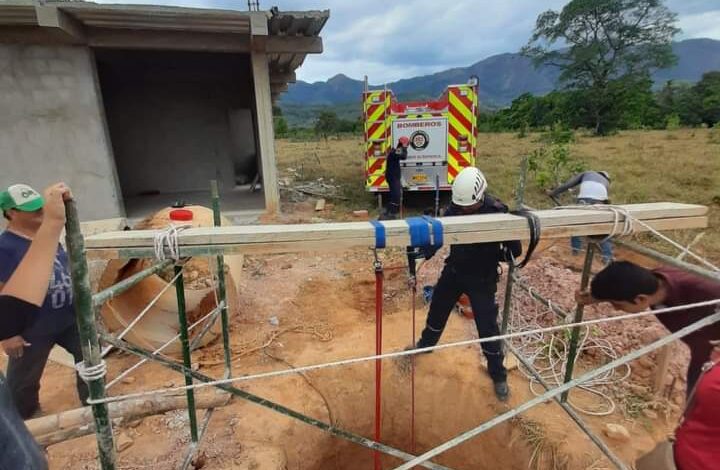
(51,126)
(175,119)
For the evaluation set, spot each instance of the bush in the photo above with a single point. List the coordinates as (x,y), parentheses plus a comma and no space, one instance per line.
(672,122)
(552,163)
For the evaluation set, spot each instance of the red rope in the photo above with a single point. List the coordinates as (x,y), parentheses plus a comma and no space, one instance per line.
(378,351)
(412,372)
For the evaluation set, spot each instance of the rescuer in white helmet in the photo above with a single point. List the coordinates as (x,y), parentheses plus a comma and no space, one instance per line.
(472,269)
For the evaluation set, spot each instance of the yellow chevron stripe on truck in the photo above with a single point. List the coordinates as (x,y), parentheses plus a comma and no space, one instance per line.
(462,120)
(376,106)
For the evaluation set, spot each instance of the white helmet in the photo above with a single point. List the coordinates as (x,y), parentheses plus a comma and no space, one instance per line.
(469,187)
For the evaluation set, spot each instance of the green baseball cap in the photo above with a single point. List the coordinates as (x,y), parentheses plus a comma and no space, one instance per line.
(21,197)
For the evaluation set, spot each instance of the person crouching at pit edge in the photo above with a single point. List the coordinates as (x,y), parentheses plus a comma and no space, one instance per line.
(632,288)
(472,269)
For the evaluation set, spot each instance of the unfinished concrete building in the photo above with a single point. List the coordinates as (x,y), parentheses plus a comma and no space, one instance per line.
(138,106)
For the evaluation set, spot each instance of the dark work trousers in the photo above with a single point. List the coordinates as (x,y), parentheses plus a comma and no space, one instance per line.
(395,186)
(23,373)
(18,450)
(448,290)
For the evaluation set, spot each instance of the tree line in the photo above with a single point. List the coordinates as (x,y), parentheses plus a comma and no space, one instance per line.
(634,105)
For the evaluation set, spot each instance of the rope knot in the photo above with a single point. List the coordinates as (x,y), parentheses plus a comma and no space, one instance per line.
(91,373)
(166,242)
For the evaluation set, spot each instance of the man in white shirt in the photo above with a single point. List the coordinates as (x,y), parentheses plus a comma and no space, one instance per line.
(594,189)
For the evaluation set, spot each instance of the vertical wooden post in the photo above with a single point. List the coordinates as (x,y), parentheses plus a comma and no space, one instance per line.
(663,362)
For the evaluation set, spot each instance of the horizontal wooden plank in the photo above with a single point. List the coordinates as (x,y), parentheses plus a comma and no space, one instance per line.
(467,229)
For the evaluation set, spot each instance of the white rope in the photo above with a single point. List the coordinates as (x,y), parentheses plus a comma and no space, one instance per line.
(159,350)
(622,219)
(144,311)
(91,373)
(168,240)
(684,249)
(548,356)
(628,228)
(403,353)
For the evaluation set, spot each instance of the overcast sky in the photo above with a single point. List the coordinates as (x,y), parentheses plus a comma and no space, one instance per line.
(388,40)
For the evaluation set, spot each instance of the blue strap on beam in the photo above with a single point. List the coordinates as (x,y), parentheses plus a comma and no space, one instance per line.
(437,230)
(379,234)
(420,234)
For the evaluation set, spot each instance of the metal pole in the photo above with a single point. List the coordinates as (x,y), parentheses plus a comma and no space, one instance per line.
(85,317)
(579,310)
(222,294)
(656,255)
(568,409)
(329,428)
(559,311)
(519,199)
(182,317)
(117,289)
(464,437)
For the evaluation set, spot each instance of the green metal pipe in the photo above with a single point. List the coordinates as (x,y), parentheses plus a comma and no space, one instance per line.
(329,428)
(559,311)
(184,341)
(579,310)
(85,317)
(222,294)
(663,258)
(117,289)
(568,409)
(192,449)
(206,328)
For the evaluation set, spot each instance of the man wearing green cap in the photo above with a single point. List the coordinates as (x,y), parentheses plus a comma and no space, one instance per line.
(54,324)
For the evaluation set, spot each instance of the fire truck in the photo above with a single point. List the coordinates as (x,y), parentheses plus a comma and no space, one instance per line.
(442,133)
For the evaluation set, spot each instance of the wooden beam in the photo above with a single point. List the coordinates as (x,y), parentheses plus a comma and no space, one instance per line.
(345,235)
(276,88)
(50,16)
(294,45)
(168,40)
(282,77)
(266,137)
(661,368)
(70,424)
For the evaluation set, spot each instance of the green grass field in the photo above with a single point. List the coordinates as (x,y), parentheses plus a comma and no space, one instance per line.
(646,166)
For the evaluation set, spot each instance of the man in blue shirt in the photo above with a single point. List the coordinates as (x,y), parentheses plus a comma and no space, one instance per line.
(55,322)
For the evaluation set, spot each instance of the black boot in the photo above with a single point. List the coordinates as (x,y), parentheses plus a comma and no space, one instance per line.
(502,391)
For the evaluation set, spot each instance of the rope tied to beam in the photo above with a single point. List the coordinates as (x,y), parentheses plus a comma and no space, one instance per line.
(166,242)
(626,226)
(623,221)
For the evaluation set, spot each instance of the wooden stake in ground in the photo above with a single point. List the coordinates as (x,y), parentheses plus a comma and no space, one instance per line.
(70,424)
(320,205)
(663,362)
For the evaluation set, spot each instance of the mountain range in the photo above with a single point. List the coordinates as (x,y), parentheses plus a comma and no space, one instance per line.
(502,78)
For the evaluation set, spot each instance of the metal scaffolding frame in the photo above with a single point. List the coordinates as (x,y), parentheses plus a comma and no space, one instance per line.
(87,306)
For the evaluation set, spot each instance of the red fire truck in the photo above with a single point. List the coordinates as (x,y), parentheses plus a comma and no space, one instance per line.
(442,133)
